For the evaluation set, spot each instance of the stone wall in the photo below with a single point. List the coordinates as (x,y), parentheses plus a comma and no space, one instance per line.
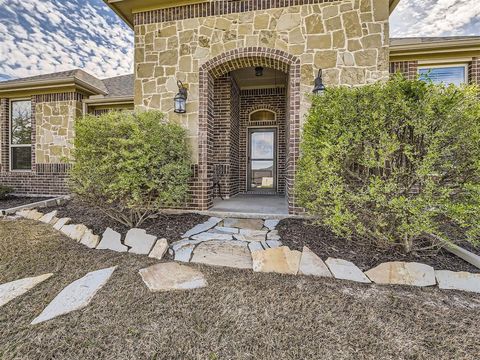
(55,123)
(348,39)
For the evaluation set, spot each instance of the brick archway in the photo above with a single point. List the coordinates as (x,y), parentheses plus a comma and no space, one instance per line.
(222,65)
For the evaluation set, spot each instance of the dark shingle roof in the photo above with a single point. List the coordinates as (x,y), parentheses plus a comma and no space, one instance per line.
(113,87)
(119,85)
(69,74)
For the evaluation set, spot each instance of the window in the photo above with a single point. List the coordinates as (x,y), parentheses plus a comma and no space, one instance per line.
(262,115)
(446,74)
(21,135)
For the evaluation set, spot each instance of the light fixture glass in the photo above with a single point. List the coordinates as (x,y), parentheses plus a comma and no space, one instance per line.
(180,100)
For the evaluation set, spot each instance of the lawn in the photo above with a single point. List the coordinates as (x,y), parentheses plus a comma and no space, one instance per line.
(240,315)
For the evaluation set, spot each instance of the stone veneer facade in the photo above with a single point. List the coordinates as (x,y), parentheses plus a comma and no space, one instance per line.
(200,43)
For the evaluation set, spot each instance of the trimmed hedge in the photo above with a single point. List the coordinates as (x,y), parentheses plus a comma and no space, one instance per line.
(130,165)
(388,160)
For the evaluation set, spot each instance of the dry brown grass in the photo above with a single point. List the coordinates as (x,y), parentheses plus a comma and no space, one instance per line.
(240,315)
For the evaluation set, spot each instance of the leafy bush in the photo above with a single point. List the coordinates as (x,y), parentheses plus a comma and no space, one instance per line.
(130,164)
(5,191)
(388,160)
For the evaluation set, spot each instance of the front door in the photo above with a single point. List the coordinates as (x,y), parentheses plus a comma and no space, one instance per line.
(262,160)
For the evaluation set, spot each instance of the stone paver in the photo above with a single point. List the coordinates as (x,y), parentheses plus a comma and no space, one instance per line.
(280,260)
(184,253)
(180,243)
(462,280)
(345,270)
(223,253)
(225,230)
(139,241)
(311,264)
(273,243)
(159,249)
(31,214)
(273,235)
(206,236)
(255,246)
(251,235)
(112,240)
(271,224)
(75,296)
(207,225)
(402,273)
(61,223)
(74,231)
(13,289)
(47,218)
(172,276)
(89,239)
(252,224)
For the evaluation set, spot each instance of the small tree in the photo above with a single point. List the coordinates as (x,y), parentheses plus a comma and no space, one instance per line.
(388,160)
(130,164)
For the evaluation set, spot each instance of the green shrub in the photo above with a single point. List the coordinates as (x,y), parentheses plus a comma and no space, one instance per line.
(130,164)
(387,160)
(5,191)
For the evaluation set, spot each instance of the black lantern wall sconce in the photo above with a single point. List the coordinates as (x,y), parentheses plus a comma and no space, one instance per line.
(319,88)
(180,100)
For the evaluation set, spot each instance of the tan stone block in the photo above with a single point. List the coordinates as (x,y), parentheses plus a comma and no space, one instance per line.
(168,31)
(288,21)
(348,59)
(296,49)
(229,35)
(334,23)
(148,38)
(381,10)
(351,24)
(217,49)
(319,41)
(150,87)
(155,102)
(365,5)
(245,29)
(205,31)
(246,17)
(168,57)
(314,24)
(251,40)
(172,43)
(338,38)
(281,45)
(186,36)
(330,11)
(261,21)
(200,53)
(325,59)
(169,71)
(185,64)
(145,70)
(209,22)
(354,45)
(374,28)
(372,41)
(295,36)
(232,45)
(331,76)
(279,260)
(366,57)
(346,7)
(352,76)
(190,24)
(267,38)
(307,74)
(222,23)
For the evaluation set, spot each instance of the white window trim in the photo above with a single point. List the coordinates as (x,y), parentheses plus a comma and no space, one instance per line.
(10,145)
(441,66)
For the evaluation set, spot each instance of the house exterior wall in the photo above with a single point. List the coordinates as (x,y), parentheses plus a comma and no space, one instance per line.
(53,117)
(348,39)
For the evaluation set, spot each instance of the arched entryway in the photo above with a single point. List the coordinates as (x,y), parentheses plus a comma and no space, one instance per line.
(221,150)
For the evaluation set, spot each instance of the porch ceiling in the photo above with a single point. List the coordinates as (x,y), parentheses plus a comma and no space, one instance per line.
(246,79)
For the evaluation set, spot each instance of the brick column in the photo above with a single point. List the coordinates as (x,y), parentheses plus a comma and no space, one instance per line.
(474,71)
(408,68)
(4,134)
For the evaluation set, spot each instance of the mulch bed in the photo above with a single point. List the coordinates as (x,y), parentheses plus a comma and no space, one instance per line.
(14,201)
(296,233)
(240,314)
(169,226)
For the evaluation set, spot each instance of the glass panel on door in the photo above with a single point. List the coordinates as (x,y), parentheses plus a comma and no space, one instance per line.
(262,159)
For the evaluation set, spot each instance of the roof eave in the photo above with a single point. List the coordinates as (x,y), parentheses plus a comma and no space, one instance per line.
(49,83)
(111,4)
(452,46)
